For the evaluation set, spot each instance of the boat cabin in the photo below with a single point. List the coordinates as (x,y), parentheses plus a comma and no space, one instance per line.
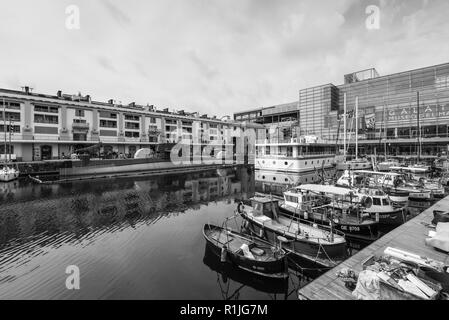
(265,207)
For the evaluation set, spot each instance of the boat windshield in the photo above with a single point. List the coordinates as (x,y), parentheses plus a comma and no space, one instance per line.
(386,201)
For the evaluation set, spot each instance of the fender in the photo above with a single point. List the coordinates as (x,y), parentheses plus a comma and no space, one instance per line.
(240,207)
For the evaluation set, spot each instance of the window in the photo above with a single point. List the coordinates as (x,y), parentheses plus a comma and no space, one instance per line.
(131,117)
(40,108)
(10,105)
(79,121)
(376,202)
(13,116)
(79,113)
(9,149)
(44,118)
(12,128)
(386,202)
(132,125)
(131,134)
(106,114)
(152,120)
(108,124)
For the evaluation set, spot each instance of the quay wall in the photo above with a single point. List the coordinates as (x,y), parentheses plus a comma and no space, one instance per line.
(409,237)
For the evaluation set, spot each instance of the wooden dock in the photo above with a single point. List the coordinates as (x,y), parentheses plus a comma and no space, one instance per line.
(409,237)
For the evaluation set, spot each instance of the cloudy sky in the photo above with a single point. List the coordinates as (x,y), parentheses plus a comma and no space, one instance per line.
(212,56)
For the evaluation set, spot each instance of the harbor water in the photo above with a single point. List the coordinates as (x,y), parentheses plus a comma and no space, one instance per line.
(131,238)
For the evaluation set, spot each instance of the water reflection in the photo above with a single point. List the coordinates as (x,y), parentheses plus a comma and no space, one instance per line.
(231,281)
(115,230)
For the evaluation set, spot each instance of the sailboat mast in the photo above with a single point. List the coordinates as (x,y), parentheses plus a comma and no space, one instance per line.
(344,126)
(385,134)
(419,128)
(4,123)
(9,151)
(356,128)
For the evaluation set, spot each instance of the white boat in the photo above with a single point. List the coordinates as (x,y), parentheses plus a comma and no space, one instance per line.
(294,155)
(321,203)
(8,174)
(386,166)
(417,176)
(356,164)
(379,209)
(392,183)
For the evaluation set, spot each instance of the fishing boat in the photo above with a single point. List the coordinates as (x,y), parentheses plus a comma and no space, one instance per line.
(325,247)
(418,176)
(246,252)
(322,203)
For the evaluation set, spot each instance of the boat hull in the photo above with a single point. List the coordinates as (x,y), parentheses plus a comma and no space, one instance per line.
(320,254)
(368,232)
(271,269)
(294,165)
(392,218)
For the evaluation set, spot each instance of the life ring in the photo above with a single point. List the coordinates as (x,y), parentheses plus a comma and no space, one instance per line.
(240,207)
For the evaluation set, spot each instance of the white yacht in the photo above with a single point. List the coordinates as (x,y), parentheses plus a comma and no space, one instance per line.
(392,183)
(295,155)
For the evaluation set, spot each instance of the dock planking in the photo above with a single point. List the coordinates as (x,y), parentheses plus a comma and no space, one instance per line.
(409,237)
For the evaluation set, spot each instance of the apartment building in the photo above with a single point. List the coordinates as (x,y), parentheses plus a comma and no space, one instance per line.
(45,127)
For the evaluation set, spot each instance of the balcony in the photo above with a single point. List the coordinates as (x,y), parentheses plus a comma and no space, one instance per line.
(80,126)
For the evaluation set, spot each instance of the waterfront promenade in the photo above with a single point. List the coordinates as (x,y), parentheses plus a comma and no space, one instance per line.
(409,237)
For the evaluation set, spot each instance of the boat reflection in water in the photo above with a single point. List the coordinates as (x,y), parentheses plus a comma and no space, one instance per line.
(235,283)
(132,238)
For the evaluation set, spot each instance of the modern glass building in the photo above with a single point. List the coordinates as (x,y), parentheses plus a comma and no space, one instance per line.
(397,113)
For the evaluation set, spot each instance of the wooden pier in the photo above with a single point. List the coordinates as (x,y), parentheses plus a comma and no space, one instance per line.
(409,237)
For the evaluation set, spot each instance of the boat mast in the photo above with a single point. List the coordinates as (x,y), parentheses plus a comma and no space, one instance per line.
(9,150)
(419,129)
(4,123)
(356,128)
(344,126)
(385,134)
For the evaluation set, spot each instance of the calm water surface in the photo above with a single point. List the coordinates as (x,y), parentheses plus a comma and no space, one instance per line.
(138,238)
(132,238)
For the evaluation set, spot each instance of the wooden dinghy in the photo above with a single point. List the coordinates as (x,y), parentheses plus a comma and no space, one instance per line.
(247,253)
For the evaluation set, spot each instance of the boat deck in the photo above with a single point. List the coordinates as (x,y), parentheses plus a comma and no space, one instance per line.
(286,225)
(348,219)
(410,237)
(234,244)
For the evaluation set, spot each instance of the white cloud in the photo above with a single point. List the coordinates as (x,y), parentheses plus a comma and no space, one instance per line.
(212,56)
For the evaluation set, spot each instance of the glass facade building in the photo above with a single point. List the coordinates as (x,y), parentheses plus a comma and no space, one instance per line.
(395,112)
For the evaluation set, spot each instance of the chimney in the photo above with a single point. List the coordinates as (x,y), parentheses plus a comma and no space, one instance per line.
(111,101)
(59,94)
(165,110)
(27,89)
(132,104)
(88,98)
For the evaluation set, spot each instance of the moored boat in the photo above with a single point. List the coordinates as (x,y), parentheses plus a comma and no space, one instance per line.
(8,174)
(246,252)
(325,247)
(322,203)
